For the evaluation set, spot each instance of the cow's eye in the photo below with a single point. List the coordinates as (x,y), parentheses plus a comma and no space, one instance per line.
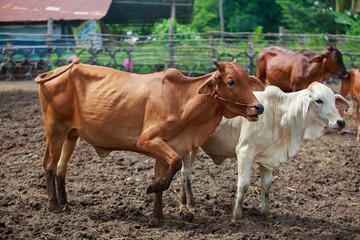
(230,82)
(319,101)
(335,56)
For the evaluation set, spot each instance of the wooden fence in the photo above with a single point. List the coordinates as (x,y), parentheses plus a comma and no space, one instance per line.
(24,56)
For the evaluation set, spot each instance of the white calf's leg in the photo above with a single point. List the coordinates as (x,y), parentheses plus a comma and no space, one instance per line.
(186,196)
(266,178)
(244,161)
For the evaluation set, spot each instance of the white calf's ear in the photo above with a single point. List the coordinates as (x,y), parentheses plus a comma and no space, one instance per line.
(306,101)
(341,103)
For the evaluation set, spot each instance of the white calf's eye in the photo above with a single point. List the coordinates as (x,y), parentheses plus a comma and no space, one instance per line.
(319,101)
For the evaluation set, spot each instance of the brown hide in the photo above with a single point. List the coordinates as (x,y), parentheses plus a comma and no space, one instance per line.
(350,86)
(292,71)
(162,115)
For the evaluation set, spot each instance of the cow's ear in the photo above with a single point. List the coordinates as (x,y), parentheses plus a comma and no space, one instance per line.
(209,86)
(306,101)
(341,103)
(317,58)
(256,84)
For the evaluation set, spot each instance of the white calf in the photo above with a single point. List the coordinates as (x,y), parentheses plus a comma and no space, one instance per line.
(289,121)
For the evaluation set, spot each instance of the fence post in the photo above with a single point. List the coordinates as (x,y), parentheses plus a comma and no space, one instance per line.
(49,39)
(326,36)
(213,47)
(171,45)
(10,68)
(281,34)
(251,56)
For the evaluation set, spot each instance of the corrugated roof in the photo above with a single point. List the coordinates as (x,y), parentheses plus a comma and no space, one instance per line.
(41,10)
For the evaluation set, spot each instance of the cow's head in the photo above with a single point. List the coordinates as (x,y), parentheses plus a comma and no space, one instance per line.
(232,88)
(332,61)
(321,107)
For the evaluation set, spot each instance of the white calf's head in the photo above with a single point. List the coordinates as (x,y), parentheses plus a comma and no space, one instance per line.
(322,110)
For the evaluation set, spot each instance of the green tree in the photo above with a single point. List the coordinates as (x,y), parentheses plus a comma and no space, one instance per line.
(206,15)
(163,27)
(344,5)
(350,21)
(245,16)
(308,16)
(239,15)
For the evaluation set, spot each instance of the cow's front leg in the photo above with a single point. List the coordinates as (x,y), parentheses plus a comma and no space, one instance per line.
(266,179)
(164,153)
(244,170)
(186,195)
(160,171)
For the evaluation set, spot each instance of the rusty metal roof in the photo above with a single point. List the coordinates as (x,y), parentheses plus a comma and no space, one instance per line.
(41,10)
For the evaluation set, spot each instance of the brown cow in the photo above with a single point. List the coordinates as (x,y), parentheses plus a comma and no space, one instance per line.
(162,115)
(351,86)
(292,71)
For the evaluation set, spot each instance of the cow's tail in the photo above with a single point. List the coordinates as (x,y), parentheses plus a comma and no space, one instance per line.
(261,66)
(44,77)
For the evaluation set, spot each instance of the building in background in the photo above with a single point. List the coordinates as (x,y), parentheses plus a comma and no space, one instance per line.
(75,20)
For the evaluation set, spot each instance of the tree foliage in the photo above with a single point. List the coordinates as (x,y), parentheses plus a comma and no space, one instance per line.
(297,16)
(206,15)
(239,15)
(351,22)
(163,27)
(245,16)
(308,16)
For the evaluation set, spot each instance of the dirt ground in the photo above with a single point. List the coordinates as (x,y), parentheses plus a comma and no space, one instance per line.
(314,195)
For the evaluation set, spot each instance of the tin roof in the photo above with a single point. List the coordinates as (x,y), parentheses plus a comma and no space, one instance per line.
(41,10)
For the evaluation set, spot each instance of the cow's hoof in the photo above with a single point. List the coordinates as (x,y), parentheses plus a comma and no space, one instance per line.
(236,219)
(53,206)
(191,208)
(186,214)
(155,222)
(54,209)
(65,208)
(267,215)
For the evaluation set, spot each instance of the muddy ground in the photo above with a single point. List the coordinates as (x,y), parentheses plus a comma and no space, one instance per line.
(314,195)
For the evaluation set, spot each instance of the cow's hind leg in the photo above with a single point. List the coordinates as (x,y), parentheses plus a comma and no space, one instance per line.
(67,150)
(186,195)
(266,179)
(50,161)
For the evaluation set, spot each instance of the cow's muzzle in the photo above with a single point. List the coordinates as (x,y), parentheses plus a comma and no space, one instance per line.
(341,124)
(259,109)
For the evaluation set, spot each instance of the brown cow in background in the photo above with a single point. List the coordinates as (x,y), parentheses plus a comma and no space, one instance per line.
(162,115)
(292,71)
(350,86)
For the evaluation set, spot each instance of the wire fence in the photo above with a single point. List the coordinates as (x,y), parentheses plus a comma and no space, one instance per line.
(24,56)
